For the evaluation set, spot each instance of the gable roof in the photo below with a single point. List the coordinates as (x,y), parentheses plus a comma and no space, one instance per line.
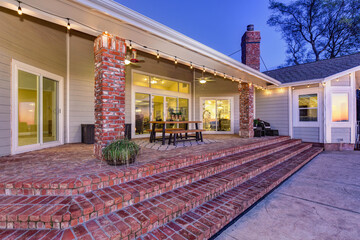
(315,70)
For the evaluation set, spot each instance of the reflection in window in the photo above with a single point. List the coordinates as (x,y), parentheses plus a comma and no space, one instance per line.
(308,108)
(140,80)
(142,112)
(340,107)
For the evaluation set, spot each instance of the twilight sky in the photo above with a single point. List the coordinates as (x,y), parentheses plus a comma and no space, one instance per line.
(217,24)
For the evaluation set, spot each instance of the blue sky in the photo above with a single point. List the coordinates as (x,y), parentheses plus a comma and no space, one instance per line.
(217,24)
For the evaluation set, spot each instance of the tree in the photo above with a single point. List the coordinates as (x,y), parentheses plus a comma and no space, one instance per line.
(317,29)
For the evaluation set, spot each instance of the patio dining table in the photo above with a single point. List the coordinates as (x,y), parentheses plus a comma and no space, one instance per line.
(156,123)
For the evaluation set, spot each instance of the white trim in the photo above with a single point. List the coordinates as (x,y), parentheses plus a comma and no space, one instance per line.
(290,112)
(232,112)
(158,92)
(16,65)
(296,93)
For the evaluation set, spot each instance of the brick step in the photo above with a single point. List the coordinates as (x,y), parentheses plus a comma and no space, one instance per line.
(86,183)
(63,211)
(133,221)
(209,218)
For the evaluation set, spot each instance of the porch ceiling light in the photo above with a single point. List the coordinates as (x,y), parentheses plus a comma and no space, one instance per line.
(202,81)
(127,62)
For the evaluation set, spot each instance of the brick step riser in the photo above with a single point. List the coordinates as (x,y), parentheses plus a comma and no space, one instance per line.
(29,222)
(204,197)
(240,206)
(89,183)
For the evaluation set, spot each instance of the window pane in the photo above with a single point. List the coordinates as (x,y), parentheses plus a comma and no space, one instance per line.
(163,84)
(50,105)
(184,88)
(172,112)
(142,113)
(209,115)
(184,111)
(140,80)
(308,115)
(28,105)
(223,115)
(340,107)
(308,101)
(158,108)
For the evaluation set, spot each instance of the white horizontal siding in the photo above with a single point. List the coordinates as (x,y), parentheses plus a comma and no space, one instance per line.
(307,134)
(273,106)
(339,135)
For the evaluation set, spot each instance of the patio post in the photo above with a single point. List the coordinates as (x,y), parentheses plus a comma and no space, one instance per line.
(246,111)
(110,52)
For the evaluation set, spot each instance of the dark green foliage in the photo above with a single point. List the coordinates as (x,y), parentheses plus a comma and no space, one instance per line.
(121,152)
(317,29)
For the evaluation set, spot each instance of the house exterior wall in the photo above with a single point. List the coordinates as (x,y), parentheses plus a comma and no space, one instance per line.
(219,88)
(81,83)
(340,135)
(31,41)
(273,106)
(307,134)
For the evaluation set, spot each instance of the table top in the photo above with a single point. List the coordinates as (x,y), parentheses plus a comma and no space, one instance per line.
(163,122)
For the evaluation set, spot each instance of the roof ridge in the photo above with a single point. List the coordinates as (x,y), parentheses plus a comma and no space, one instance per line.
(321,60)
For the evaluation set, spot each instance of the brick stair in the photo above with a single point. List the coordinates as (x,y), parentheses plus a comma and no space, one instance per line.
(147,207)
(73,186)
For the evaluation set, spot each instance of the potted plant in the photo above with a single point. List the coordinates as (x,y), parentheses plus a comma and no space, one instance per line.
(121,152)
(256,122)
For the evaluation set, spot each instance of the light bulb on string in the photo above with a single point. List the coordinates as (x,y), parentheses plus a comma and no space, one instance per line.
(203,68)
(175,61)
(20,12)
(157,54)
(191,65)
(68,24)
(215,72)
(224,76)
(130,45)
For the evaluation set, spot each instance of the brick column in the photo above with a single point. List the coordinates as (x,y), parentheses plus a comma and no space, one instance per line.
(110,54)
(246,114)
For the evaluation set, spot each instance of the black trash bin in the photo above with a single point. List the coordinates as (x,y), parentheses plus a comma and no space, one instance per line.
(128,131)
(88,133)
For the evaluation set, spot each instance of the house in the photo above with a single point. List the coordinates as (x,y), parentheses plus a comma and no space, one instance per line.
(48,70)
(315,102)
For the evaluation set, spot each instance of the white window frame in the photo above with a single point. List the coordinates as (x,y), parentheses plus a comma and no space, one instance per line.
(232,118)
(157,92)
(16,66)
(295,102)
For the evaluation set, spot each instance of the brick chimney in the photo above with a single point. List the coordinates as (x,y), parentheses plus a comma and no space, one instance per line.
(250,48)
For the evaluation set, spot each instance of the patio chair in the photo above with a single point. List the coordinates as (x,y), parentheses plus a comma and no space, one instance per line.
(268,131)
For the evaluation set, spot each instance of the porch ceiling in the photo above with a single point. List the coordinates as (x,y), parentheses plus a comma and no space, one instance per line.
(105,15)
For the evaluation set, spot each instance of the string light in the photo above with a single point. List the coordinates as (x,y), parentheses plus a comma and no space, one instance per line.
(20,12)
(68,24)
(232,78)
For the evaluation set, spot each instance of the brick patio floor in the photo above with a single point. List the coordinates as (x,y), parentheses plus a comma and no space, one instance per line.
(75,164)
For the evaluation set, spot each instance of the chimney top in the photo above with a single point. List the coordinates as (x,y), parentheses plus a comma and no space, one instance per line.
(250,27)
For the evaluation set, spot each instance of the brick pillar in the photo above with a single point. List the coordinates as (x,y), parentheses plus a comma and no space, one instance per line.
(250,48)
(110,54)
(246,114)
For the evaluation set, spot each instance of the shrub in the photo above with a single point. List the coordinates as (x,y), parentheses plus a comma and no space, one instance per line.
(121,152)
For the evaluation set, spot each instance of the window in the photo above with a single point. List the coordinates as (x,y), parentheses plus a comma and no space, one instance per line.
(340,107)
(217,115)
(143,80)
(142,112)
(308,108)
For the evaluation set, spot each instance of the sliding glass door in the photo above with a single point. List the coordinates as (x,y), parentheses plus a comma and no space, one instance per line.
(36,110)
(216,114)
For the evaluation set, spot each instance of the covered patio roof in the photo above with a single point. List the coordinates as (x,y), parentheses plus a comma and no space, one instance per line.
(96,16)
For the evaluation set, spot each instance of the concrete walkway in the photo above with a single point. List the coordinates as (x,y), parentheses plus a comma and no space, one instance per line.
(321,201)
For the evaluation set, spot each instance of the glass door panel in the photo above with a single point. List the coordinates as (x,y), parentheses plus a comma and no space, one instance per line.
(157,108)
(184,110)
(209,115)
(172,112)
(50,112)
(142,112)
(28,108)
(223,115)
